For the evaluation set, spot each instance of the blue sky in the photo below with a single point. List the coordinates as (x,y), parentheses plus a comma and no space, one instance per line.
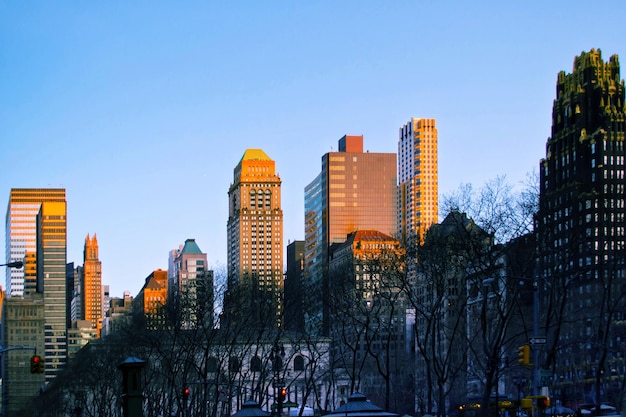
(142,109)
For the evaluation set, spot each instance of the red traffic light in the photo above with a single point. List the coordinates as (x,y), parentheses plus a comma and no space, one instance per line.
(543,402)
(282,394)
(36,365)
(186,392)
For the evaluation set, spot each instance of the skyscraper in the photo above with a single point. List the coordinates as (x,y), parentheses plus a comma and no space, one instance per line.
(417,178)
(51,281)
(21,231)
(255,240)
(92,283)
(354,190)
(581,224)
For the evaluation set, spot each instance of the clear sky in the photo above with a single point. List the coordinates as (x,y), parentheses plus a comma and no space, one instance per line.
(141,109)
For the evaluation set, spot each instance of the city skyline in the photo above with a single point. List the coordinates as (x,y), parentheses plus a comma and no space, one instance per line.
(128,107)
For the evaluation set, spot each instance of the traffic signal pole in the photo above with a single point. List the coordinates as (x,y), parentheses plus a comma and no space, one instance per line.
(535,336)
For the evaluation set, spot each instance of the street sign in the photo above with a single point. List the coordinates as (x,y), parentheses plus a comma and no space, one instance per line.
(537,340)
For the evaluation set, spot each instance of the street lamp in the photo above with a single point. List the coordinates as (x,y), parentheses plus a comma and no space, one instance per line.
(15,264)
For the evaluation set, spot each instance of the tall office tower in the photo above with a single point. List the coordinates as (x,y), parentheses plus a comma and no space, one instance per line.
(581,224)
(354,190)
(294,282)
(417,178)
(21,232)
(92,283)
(51,281)
(192,290)
(255,242)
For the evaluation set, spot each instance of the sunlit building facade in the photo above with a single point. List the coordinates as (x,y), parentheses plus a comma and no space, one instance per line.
(418,182)
(255,239)
(354,190)
(149,305)
(92,288)
(21,230)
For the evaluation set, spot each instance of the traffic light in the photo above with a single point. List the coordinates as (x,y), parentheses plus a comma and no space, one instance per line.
(186,392)
(543,402)
(282,395)
(36,365)
(523,354)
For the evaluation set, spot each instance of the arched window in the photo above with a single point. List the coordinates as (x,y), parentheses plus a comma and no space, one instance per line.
(211,364)
(255,364)
(233,364)
(298,363)
(268,199)
(252,198)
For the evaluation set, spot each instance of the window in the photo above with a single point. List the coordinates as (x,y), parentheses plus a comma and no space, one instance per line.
(255,364)
(298,363)
(212,364)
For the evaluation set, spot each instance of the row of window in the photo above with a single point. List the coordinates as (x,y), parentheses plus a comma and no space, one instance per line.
(256,364)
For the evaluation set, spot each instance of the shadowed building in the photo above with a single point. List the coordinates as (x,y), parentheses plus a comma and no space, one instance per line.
(23,324)
(581,228)
(294,287)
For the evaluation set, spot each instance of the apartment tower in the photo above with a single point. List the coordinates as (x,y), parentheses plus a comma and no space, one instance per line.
(192,286)
(21,233)
(355,190)
(92,284)
(255,242)
(581,228)
(418,200)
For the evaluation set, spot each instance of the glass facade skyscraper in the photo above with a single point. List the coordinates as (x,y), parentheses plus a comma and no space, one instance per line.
(21,230)
(355,190)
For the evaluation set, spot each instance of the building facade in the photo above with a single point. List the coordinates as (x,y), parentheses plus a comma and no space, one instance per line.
(21,230)
(23,324)
(418,183)
(255,242)
(354,190)
(294,284)
(51,255)
(149,304)
(92,284)
(581,229)
(192,287)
